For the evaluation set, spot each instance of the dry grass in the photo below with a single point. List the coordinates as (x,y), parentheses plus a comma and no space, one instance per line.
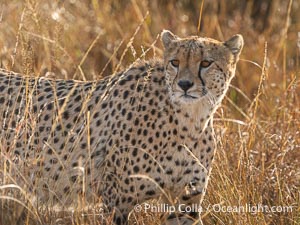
(258,158)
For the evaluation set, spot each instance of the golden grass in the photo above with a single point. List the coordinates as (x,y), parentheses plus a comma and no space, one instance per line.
(258,157)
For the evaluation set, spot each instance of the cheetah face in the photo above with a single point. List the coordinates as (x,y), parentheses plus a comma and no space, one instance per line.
(199,69)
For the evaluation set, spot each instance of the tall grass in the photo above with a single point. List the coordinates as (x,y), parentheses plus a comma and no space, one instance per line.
(258,156)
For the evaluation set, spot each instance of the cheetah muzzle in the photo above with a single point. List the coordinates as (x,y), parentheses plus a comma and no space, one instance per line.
(124,139)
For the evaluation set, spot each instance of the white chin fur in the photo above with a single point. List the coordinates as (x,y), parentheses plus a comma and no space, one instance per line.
(189,99)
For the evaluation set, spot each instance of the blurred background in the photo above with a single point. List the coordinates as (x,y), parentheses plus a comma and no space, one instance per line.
(258,159)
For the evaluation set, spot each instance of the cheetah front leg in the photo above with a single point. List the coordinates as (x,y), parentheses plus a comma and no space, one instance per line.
(188,207)
(191,197)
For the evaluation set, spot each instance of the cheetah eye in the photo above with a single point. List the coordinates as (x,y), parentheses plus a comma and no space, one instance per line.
(205,63)
(175,63)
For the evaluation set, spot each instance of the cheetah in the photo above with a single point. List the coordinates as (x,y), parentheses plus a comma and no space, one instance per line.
(124,139)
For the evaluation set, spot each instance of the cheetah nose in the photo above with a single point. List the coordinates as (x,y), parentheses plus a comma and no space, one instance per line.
(185,85)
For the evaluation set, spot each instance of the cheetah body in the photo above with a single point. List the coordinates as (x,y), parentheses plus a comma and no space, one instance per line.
(126,138)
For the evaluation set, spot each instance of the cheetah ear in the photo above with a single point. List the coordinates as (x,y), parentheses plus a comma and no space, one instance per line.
(167,37)
(235,44)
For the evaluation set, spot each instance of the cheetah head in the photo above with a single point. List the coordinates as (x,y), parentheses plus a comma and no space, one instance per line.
(199,70)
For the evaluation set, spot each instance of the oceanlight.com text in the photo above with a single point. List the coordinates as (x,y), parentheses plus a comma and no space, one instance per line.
(182,208)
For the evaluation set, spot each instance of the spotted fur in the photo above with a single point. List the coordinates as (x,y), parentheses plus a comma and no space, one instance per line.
(123,138)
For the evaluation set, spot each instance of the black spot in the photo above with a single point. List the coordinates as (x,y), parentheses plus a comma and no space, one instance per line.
(66,190)
(118,164)
(46,117)
(132,100)
(145,132)
(19,99)
(49,89)
(116,93)
(129,199)
(59,93)
(142,187)
(151,192)
(17,111)
(66,115)
(145,156)
(58,128)
(49,106)
(122,82)
(152,112)
(169,157)
(187,171)
(53,161)
(98,123)
(136,121)
(61,101)
(139,88)
(136,169)
(129,116)
(78,109)
(150,139)
(123,112)
(74,178)
(134,152)
(62,146)
(127,137)
(49,152)
(133,141)
(164,134)
(132,86)
(179,148)
(104,105)
(185,198)
(169,171)
(55,177)
(208,149)
(125,94)
(35,109)
(119,106)
(41,98)
(78,98)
